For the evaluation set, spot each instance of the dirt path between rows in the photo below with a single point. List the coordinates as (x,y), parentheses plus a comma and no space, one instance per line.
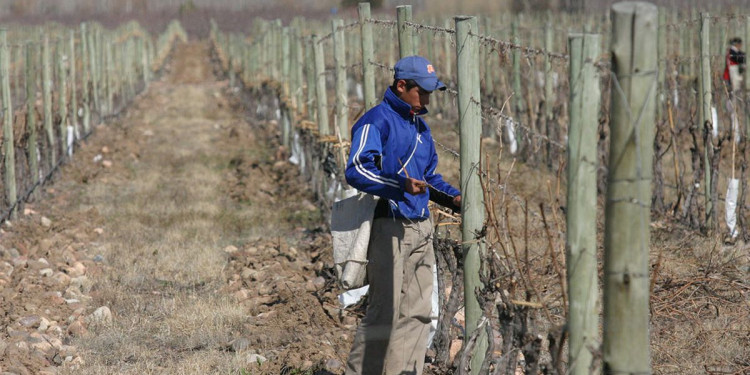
(175,242)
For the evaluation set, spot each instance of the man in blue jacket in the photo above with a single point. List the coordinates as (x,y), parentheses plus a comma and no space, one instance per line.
(393,157)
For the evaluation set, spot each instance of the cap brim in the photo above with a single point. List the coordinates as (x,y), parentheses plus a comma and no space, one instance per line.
(431,85)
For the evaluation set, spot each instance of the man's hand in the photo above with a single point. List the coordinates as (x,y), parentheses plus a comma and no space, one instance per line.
(414,186)
(457,201)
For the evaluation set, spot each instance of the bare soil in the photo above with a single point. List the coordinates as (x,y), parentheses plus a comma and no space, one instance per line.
(179,240)
(180,218)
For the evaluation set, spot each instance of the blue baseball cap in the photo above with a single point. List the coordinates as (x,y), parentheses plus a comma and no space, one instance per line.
(420,70)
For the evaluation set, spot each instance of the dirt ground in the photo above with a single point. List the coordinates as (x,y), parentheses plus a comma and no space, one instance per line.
(178,240)
(175,242)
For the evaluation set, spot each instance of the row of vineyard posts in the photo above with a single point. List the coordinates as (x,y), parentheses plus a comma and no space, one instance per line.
(627,91)
(82,76)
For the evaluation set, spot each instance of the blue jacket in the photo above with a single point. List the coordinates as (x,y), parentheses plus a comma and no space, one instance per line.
(387,139)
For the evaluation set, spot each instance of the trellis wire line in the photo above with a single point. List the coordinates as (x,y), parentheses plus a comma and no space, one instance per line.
(386,23)
(382,66)
(340,28)
(419,27)
(528,50)
(489,111)
(493,183)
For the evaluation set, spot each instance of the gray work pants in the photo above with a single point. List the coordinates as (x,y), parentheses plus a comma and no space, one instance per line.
(392,337)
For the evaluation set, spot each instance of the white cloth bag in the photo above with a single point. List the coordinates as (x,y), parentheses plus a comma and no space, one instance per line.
(351,222)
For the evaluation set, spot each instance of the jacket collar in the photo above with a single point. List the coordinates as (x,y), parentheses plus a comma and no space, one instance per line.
(400,106)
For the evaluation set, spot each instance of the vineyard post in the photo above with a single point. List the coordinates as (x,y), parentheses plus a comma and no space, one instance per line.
(93,70)
(691,45)
(549,93)
(130,67)
(662,56)
(62,96)
(405,37)
(320,87)
(516,56)
(706,100)
(368,75)
(31,113)
(580,216)
(299,77)
(472,202)
(73,76)
(275,49)
(286,121)
(230,60)
(9,150)
(144,61)
(47,101)
(628,199)
(447,66)
(339,63)
(489,87)
(312,81)
(107,77)
(747,83)
(85,81)
(294,62)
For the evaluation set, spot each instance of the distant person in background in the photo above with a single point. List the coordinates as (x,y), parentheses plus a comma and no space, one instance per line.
(734,65)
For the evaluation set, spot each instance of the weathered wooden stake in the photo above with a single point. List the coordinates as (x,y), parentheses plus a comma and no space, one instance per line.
(47,102)
(706,101)
(472,202)
(312,80)
(320,87)
(286,123)
(368,73)
(628,204)
(9,163)
(339,62)
(583,317)
(33,146)
(73,93)
(516,57)
(62,96)
(405,34)
(85,79)
(92,52)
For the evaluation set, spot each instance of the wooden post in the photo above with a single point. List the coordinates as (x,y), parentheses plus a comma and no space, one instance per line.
(368,73)
(286,122)
(627,237)
(339,62)
(661,57)
(109,77)
(747,82)
(299,69)
(583,317)
(73,94)
(47,102)
(320,87)
(405,35)
(472,202)
(85,79)
(230,57)
(9,162)
(706,101)
(62,97)
(447,67)
(489,86)
(549,93)
(94,69)
(312,80)
(516,57)
(33,145)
